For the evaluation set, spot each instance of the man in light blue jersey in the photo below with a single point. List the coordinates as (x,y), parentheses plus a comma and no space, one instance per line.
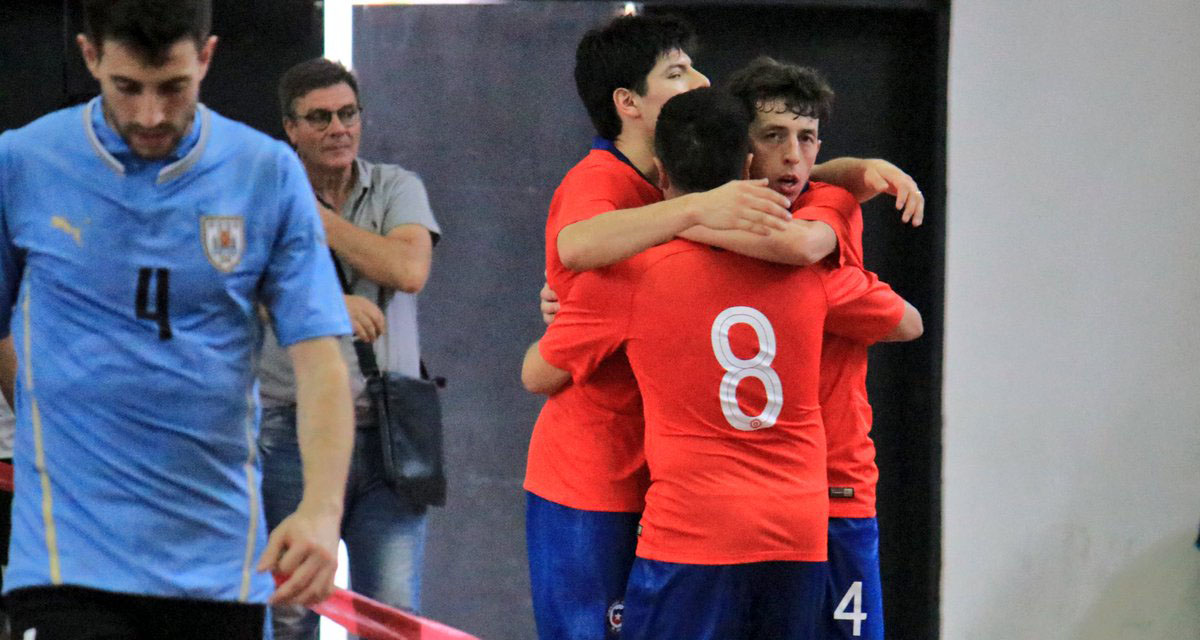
(139,233)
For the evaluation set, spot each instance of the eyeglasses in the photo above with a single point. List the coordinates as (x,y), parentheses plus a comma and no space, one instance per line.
(320,119)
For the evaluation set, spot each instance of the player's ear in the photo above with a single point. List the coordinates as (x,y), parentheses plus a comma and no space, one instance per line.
(746,167)
(664,182)
(625,103)
(205,55)
(91,54)
(289,128)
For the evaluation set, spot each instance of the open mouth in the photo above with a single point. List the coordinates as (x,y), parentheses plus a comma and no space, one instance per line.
(789,185)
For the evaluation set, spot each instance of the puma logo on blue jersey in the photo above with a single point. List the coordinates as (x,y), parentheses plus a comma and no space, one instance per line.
(62,224)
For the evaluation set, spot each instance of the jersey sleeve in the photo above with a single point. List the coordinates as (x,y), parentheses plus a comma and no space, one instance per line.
(408,203)
(834,206)
(10,259)
(861,306)
(588,194)
(300,287)
(592,323)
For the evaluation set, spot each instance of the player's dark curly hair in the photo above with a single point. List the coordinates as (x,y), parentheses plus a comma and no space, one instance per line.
(702,139)
(149,27)
(311,75)
(802,89)
(621,54)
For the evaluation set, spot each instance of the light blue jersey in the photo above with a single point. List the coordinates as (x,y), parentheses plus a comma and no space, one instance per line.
(131,287)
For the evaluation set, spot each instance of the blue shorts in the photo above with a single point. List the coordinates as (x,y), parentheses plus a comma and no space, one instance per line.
(853,607)
(777,600)
(579,563)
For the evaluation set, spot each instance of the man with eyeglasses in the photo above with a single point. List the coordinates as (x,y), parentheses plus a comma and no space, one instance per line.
(381,231)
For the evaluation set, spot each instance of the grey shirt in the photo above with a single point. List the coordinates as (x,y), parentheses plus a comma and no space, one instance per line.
(384,197)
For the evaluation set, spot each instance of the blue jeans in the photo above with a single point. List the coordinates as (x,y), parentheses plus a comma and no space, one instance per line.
(383,530)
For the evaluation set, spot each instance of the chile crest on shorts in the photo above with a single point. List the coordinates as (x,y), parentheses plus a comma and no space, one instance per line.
(224,240)
(616,615)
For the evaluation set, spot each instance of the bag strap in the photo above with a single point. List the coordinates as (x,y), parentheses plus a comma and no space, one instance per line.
(366,354)
(438,381)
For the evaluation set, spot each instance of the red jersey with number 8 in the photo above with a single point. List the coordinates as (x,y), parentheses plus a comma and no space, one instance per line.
(726,351)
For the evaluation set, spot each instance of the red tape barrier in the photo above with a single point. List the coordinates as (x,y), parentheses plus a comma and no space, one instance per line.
(374,620)
(360,615)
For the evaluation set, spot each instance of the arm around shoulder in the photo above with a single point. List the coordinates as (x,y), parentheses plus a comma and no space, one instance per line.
(866,178)
(801,243)
(613,236)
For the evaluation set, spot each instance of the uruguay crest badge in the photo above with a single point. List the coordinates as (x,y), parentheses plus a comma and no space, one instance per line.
(224,239)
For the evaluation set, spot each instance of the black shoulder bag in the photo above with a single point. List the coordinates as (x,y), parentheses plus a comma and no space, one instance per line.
(409,414)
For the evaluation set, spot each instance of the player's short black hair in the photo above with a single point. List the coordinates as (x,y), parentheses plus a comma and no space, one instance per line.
(702,138)
(801,89)
(311,75)
(621,54)
(149,27)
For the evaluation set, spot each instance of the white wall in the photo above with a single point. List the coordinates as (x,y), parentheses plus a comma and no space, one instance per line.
(1072,372)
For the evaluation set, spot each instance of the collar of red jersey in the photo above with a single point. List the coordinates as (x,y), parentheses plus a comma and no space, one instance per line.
(604,144)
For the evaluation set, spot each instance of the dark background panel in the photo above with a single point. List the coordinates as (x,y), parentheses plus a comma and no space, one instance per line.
(257,41)
(31,59)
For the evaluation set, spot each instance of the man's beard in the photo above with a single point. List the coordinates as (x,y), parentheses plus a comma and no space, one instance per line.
(170,130)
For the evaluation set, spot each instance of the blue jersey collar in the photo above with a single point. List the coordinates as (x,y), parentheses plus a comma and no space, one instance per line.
(115,153)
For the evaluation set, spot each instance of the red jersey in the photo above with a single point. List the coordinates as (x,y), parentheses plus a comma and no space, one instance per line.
(726,350)
(844,407)
(586,449)
(837,208)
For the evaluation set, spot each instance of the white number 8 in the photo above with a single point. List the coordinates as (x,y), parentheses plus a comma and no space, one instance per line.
(738,369)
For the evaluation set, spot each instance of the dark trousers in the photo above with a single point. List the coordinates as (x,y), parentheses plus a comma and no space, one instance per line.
(77,613)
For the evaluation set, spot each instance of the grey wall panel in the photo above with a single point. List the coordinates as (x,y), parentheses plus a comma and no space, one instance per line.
(480,101)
